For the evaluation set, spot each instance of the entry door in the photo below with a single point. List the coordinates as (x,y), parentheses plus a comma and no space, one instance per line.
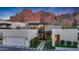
(57,36)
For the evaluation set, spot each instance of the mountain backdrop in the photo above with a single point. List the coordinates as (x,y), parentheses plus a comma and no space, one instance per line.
(48,17)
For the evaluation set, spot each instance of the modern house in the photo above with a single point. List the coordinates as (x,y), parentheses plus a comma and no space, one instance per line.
(15,34)
(20,34)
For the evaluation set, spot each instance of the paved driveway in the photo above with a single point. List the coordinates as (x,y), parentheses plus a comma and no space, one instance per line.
(15,48)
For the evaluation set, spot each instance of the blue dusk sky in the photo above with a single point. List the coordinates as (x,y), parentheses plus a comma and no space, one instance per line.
(6,12)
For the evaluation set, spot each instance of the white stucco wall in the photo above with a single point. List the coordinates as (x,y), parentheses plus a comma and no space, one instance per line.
(31,34)
(19,37)
(65,34)
(50,27)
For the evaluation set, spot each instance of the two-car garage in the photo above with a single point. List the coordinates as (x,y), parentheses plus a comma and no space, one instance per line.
(18,37)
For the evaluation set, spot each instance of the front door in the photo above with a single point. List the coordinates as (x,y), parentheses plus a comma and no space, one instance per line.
(57,36)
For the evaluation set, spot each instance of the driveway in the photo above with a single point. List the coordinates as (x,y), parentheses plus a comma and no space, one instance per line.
(15,48)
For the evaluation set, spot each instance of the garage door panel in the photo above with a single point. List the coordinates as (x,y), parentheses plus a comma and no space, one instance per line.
(15,41)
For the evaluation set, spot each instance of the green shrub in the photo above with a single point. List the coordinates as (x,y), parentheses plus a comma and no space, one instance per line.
(50,42)
(62,43)
(34,42)
(69,43)
(53,47)
(75,44)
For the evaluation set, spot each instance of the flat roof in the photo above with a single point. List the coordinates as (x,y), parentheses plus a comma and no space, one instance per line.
(5,24)
(38,23)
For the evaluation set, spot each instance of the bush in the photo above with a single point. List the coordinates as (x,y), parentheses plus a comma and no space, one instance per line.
(62,42)
(34,42)
(53,47)
(75,44)
(50,42)
(69,43)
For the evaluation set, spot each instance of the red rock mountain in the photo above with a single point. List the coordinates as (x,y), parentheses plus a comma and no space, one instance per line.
(41,16)
(28,15)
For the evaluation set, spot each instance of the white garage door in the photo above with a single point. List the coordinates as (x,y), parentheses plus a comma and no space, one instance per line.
(15,41)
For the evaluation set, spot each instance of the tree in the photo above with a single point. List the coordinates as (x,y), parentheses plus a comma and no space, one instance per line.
(34,42)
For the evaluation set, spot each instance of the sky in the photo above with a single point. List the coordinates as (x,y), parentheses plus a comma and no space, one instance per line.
(6,12)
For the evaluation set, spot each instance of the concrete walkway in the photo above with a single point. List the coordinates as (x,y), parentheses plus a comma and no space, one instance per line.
(66,49)
(41,45)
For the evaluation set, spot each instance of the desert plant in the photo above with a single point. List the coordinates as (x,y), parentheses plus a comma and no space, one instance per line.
(69,43)
(34,42)
(75,44)
(62,42)
(50,42)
